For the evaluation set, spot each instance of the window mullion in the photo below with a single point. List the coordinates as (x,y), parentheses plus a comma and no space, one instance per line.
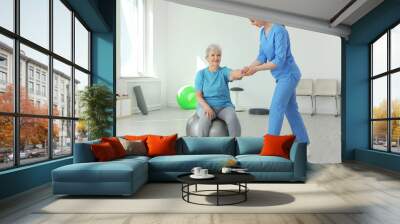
(16,83)
(50,81)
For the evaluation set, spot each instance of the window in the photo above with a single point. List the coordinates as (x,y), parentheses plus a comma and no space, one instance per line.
(3,61)
(30,72)
(7,14)
(34,21)
(62,29)
(53,125)
(62,74)
(6,73)
(3,72)
(81,81)
(81,45)
(136,45)
(38,89)
(3,78)
(385,94)
(6,142)
(44,91)
(38,74)
(62,140)
(30,87)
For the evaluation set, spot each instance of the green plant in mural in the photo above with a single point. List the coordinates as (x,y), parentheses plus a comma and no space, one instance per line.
(97,104)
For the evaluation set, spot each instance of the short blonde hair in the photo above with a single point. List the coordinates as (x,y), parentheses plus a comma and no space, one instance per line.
(213,47)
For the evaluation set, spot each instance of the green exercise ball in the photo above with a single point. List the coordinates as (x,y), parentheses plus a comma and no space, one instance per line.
(186,97)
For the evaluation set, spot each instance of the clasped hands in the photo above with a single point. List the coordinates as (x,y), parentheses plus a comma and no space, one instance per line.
(247,71)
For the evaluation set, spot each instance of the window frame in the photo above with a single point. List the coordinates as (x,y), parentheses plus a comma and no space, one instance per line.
(388,74)
(16,115)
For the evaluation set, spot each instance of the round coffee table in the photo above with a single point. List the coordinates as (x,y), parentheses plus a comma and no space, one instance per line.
(238,179)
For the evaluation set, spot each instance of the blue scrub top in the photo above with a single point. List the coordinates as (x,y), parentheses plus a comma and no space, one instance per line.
(214,86)
(275,48)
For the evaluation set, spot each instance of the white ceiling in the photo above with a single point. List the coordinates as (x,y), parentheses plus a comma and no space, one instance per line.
(320,9)
(315,15)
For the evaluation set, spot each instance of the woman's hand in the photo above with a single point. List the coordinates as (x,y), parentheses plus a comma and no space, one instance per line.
(250,70)
(244,70)
(209,112)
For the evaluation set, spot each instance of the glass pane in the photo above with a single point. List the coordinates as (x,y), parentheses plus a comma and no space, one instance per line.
(395,47)
(6,142)
(34,97)
(395,94)
(379,135)
(62,138)
(33,139)
(7,14)
(6,74)
(81,131)
(395,136)
(81,81)
(62,29)
(379,98)
(81,45)
(379,55)
(62,89)
(35,21)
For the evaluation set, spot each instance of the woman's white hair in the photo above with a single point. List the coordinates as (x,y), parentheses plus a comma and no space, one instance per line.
(213,47)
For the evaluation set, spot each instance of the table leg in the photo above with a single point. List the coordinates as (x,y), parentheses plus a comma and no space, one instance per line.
(245,193)
(196,188)
(217,194)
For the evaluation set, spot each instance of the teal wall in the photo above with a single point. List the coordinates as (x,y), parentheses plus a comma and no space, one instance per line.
(24,178)
(99,16)
(355,120)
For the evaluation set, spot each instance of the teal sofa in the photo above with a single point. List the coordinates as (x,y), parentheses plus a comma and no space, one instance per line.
(125,176)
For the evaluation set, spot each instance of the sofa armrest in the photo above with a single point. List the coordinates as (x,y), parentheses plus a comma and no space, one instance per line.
(298,155)
(83,152)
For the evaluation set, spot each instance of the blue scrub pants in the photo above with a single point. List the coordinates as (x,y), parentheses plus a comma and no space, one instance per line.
(284,103)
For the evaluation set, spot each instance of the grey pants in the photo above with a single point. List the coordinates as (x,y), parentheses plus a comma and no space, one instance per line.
(226,114)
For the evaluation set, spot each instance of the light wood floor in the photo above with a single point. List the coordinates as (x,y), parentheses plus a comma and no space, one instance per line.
(377,188)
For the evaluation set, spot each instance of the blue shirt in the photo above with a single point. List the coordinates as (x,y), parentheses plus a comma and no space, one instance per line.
(214,86)
(275,48)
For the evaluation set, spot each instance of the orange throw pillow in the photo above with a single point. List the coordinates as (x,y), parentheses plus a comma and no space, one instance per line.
(116,145)
(103,152)
(275,145)
(161,145)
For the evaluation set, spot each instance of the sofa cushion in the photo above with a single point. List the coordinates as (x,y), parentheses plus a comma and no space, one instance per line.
(103,152)
(159,145)
(206,145)
(277,145)
(134,147)
(257,163)
(116,145)
(112,171)
(249,145)
(185,163)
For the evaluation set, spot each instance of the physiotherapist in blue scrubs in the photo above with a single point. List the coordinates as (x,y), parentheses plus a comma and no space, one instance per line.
(275,55)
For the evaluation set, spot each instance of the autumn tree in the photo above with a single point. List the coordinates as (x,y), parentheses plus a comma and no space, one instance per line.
(33,131)
(380,127)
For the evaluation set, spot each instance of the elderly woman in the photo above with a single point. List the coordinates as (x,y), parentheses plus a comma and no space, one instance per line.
(212,93)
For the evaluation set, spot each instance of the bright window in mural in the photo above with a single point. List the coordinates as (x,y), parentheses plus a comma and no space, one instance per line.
(40,124)
(135,21)
(385,91)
